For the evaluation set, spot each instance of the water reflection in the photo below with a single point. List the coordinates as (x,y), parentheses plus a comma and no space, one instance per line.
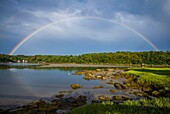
(30,82)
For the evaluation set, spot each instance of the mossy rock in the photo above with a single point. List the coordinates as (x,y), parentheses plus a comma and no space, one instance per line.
(127,85)
(75,86)
(112,90)
(60,95)
(123,86)
(118,86)
(155,93)
(104,98)
(130,78)
(99,70)
(125,82)
(70,91)
(146,89)
(79,73)
(140,94)
(111,70)
(131,92)
(63,92)
(96,87)
(120,98)
(134,86)
(110,82)
(88,77)
(99,77)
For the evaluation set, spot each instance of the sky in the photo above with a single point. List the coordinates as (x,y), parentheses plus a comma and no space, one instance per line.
(84,26)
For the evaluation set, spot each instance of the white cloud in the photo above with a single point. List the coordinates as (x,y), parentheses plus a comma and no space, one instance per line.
(76,29)
(137,21)
(87,29)
(141,23)
(54,15)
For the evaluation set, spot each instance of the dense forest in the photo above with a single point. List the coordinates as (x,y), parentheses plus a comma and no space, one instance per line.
(150,57)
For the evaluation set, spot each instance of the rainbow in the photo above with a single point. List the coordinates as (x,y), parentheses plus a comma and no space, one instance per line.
(82,17)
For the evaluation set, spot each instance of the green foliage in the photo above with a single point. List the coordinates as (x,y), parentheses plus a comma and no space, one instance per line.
(154,106)
(151,57)
(161,102)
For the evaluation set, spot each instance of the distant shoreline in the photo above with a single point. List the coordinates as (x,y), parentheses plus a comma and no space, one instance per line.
(81,65)
(50,65)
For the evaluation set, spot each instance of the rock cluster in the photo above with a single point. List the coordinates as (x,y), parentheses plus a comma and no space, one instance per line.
(62,105)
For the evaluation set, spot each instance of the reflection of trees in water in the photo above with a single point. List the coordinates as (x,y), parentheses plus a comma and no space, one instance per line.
(36,67)
(17,67)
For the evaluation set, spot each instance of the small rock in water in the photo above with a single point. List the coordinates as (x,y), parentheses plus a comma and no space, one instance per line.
(96,87)
(59,95)
(112,90)
(62,91)
(120,86)
(104,98)
(70,91)
(75,86)
(117,86)
(110,82)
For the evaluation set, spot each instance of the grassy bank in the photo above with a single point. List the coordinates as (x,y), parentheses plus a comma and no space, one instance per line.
(154,106)
(157,77)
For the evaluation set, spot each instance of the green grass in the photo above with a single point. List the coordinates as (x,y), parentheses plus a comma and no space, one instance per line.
(156,76)
(157,102)
(154,106)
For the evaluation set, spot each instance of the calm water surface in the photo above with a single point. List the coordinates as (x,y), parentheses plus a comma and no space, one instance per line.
(21,85)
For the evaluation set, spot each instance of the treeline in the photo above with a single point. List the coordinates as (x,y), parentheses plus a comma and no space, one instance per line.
(150,57)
